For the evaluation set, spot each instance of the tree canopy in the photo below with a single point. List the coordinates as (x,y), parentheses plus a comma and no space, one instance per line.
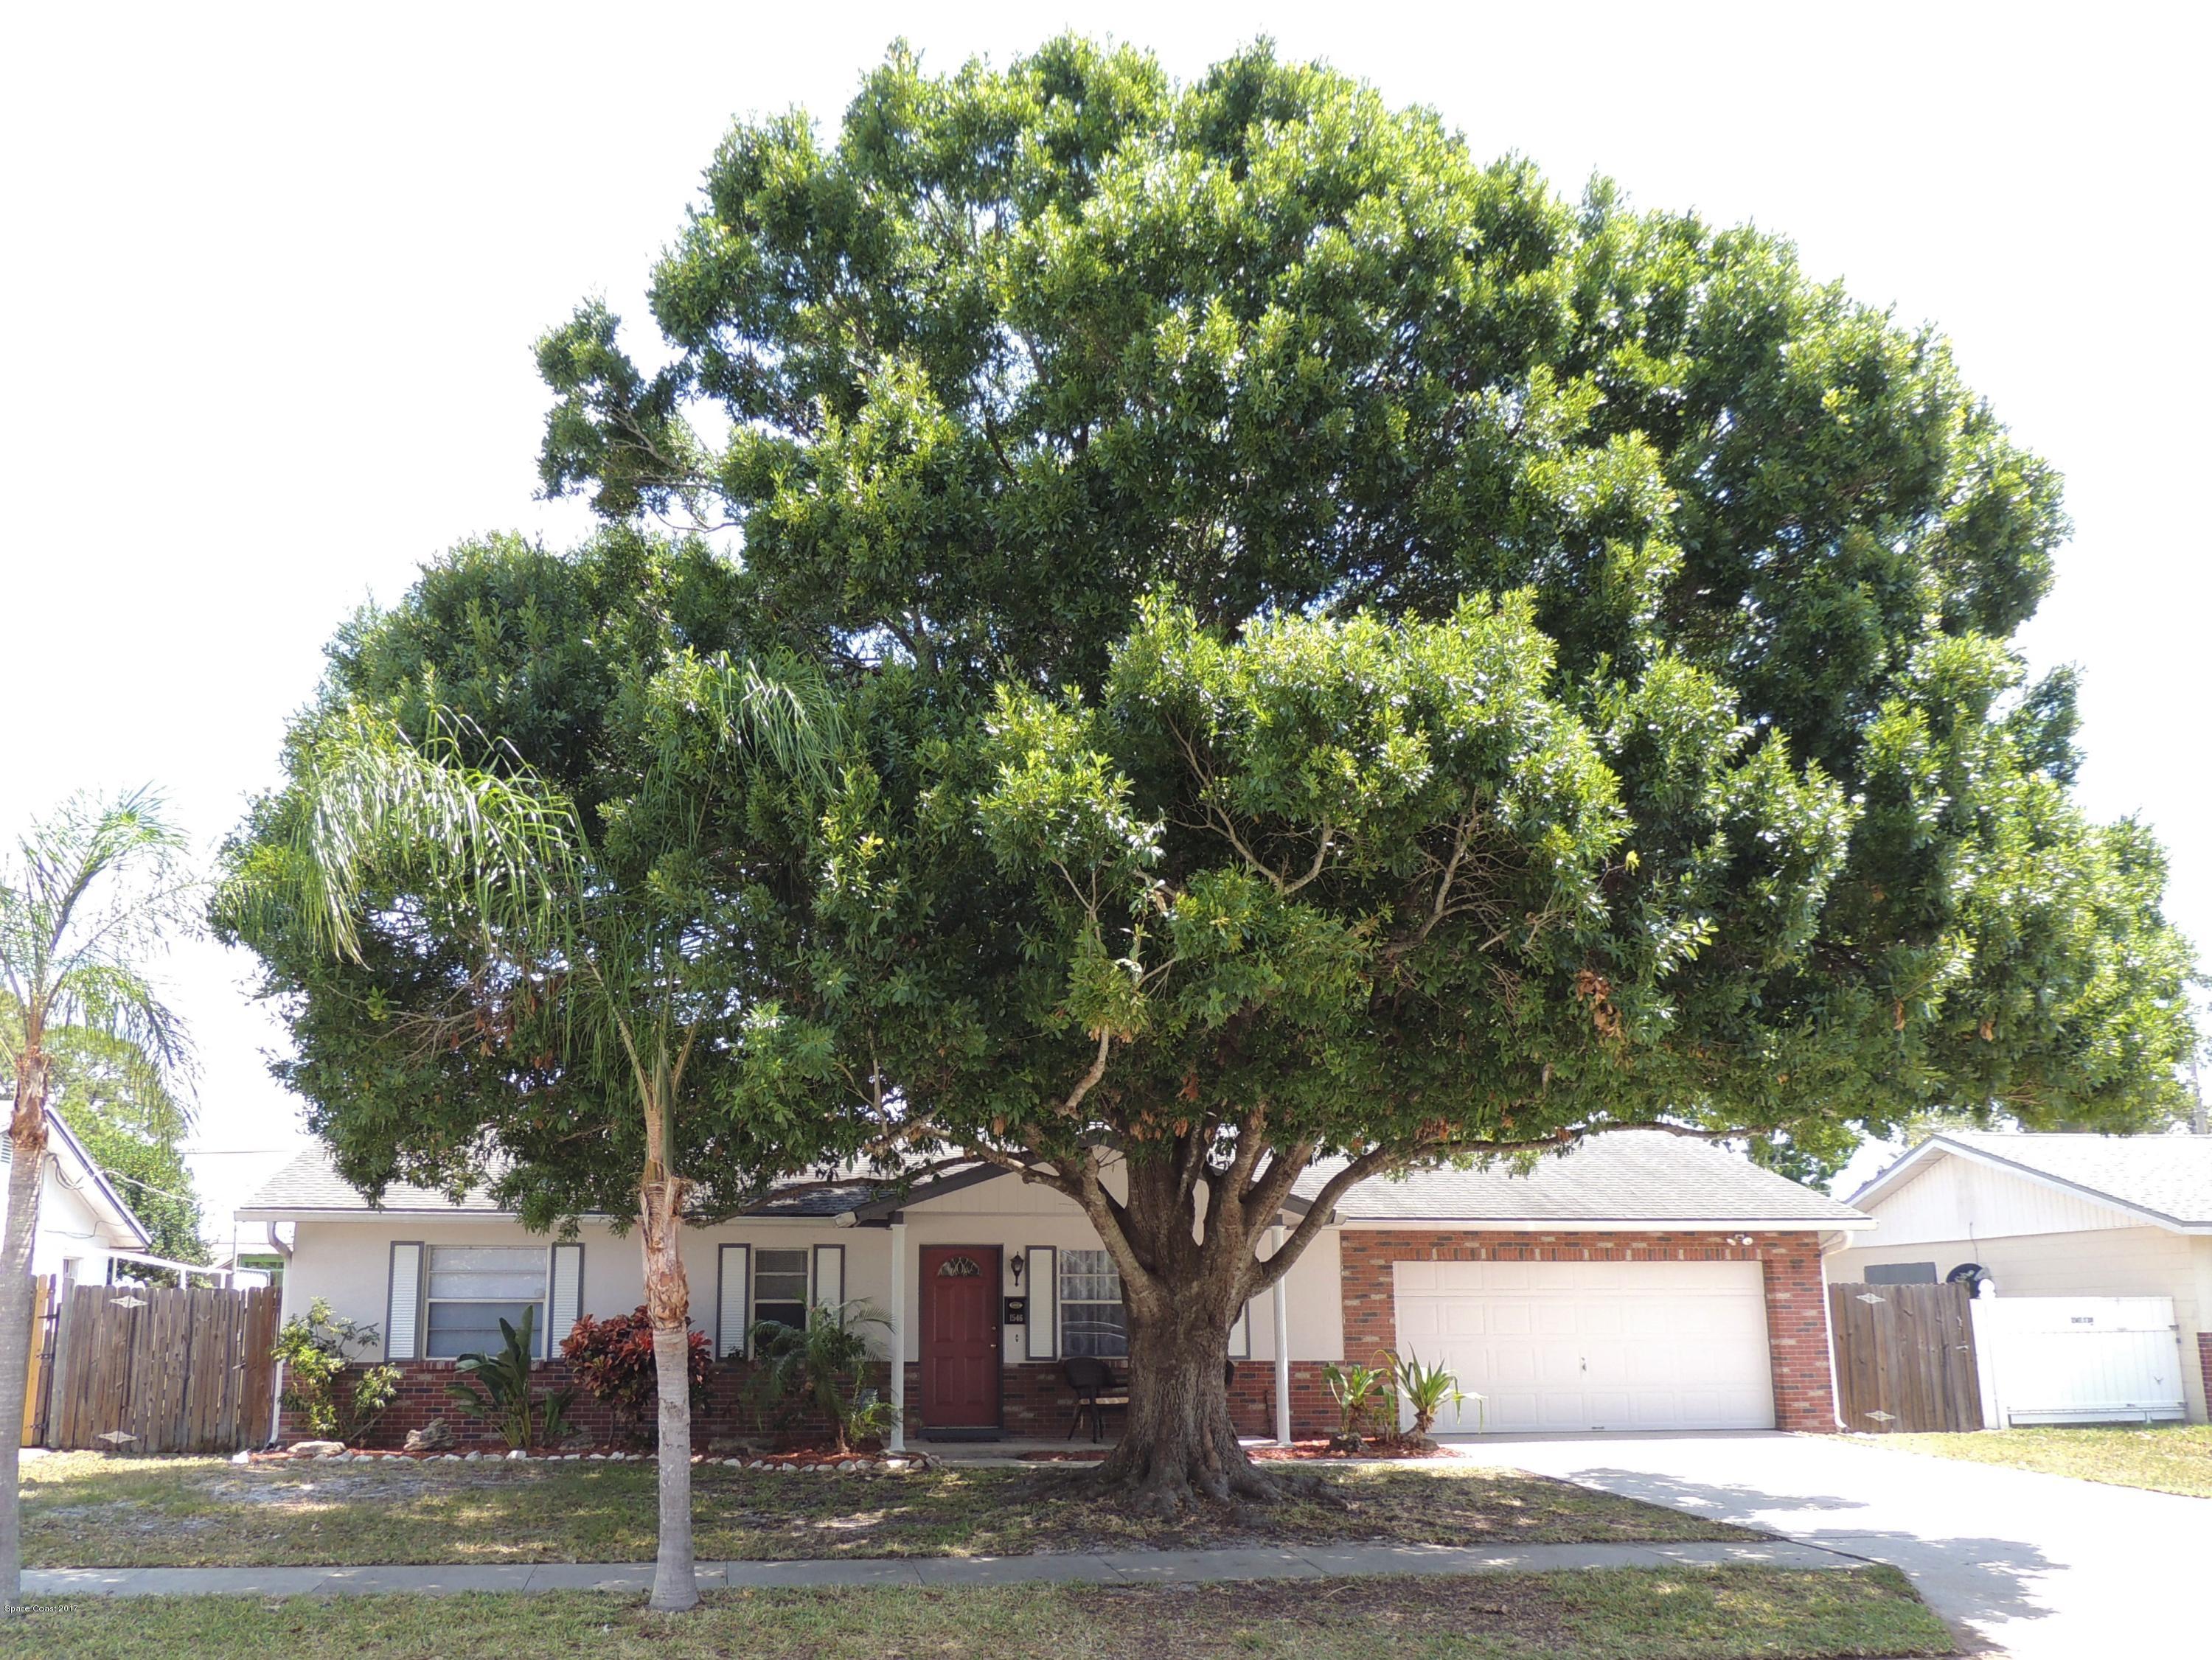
(1359,655)
(586,688)
(1342,652)
(1011,349)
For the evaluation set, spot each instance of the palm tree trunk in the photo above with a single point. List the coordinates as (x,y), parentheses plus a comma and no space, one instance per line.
(668,1300)
(27,1137)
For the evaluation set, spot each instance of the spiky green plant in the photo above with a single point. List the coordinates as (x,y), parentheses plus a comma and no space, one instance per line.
(1427,1389)
(824,1363)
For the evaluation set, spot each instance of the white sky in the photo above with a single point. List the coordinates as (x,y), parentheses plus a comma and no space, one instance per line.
(275,273)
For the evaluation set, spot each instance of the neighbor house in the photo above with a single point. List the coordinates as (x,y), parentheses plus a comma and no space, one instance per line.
(2052,1215)
(1642,1281)
(83,1222)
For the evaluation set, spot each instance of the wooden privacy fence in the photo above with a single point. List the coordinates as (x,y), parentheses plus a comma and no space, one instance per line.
(150,1369)
(37,1387)
(1905,1357)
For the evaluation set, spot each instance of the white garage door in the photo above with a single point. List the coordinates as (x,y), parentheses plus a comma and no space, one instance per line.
(1584,1346)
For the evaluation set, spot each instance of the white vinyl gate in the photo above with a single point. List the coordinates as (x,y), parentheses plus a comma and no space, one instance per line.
(2078,1360)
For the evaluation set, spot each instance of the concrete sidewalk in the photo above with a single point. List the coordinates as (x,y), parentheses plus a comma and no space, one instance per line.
(1134,1568)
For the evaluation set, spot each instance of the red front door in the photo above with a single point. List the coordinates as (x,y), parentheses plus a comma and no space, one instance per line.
(960,1336)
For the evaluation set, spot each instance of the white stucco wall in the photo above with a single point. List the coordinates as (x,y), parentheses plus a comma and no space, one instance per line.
(2101,1262)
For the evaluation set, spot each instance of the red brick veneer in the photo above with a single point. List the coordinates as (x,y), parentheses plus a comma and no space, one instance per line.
(729,1412)
(1035,1403)
(1796,1299)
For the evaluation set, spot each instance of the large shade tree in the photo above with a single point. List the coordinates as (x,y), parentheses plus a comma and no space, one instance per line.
(507,953)
(1361,658)
(93,891)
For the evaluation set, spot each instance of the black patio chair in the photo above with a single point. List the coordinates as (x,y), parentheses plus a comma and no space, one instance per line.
(1096,1389)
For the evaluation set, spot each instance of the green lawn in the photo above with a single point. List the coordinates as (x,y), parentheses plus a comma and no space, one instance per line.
(88,1510)
(2165,1458)
(1620,1614)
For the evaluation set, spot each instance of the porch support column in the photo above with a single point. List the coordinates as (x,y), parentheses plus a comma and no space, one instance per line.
(898,1337)
(1282,1307)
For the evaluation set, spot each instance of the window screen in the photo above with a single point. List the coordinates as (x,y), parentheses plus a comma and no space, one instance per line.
(779,1288)
(1091,1317)
(473,1288)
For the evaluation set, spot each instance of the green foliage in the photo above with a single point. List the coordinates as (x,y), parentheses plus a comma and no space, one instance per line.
(1358,1392)
(110,1092)
(1306,647)
(526,1417)
(1021,365)
(496,898)
(823,1366)
(325,1381)
(613,1359)
(96,890)
(1426,1388)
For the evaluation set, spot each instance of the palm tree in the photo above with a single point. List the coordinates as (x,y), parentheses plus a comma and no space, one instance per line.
(90,894)
(570,948)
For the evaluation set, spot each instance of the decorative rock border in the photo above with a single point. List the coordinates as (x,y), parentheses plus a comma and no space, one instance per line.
(870,1464)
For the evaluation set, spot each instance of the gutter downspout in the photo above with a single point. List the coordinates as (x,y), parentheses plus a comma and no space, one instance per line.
(898,1442)
(1830,1242)
(1281,1303)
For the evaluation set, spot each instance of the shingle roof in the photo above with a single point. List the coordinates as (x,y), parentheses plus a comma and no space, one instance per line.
(311,1183)
(1622,1176)
(2170,1176)
(1627,1176)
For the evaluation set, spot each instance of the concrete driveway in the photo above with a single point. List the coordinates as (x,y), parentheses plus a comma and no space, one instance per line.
(2031,1565)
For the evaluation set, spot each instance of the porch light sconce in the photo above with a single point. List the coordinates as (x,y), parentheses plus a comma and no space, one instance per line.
(1019,1258)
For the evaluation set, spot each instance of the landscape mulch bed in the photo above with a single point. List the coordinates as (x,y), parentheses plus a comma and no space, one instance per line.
(1296,1452)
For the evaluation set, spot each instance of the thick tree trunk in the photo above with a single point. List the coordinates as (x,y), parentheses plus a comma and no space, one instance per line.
(668,1300)
(1178,1443)
(1187,1267)
(27,1137)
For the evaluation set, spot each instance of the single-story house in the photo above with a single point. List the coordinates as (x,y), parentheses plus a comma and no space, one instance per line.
(83,1222)
(1642,1281)
(2049,1215)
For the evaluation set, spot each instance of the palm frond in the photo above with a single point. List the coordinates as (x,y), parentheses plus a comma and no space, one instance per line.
(372,808)
(97,888)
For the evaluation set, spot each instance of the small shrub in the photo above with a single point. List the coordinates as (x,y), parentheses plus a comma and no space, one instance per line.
(613,1359)
(1358,1392)
(821,1366)
(1427,1390)
(524,1418)
(314,1349)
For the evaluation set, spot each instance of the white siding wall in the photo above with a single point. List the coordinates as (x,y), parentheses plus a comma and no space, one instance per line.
(2131,1262)
(1018,1214)
(68,1230)
(1955,1198)
(348,1263)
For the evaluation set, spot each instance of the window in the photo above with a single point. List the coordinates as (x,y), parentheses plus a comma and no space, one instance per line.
(474,1288)
(1091,1317)
(779,1288)
(1901,1274)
